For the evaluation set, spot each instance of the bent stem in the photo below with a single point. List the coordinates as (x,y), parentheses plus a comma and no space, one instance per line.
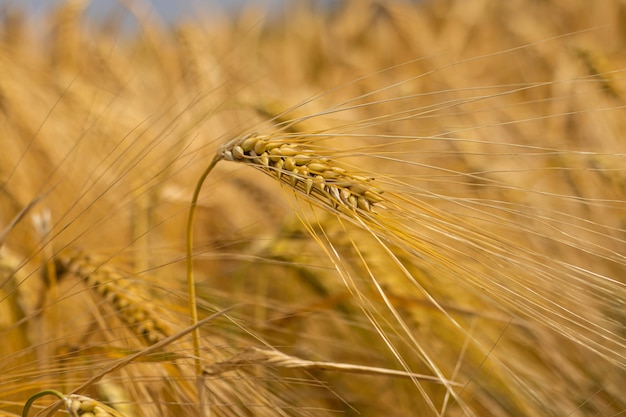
(193,310)
(38,395)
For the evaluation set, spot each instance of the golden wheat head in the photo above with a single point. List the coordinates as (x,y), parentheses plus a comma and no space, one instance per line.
(306,171)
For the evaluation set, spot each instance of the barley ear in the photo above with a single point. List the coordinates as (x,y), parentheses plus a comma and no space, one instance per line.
(314,176)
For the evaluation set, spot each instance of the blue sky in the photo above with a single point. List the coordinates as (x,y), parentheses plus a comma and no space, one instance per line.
(168,10)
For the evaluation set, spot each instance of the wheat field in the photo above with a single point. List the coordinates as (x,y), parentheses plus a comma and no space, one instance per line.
(374,208)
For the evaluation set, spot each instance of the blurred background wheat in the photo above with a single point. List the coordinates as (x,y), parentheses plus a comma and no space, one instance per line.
(486,279)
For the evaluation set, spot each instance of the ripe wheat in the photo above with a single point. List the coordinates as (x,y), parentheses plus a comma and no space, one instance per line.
(306,172)
(132,305)
(468,160)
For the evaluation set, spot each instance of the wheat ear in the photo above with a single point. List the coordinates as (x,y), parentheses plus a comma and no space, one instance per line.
(305,171)
(112,284)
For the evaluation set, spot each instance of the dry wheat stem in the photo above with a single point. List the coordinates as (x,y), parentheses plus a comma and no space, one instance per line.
(266,357)
(301,169)
(312,175)
(191,285)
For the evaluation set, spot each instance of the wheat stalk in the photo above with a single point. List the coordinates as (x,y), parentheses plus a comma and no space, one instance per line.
(314,176)
(266,357)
